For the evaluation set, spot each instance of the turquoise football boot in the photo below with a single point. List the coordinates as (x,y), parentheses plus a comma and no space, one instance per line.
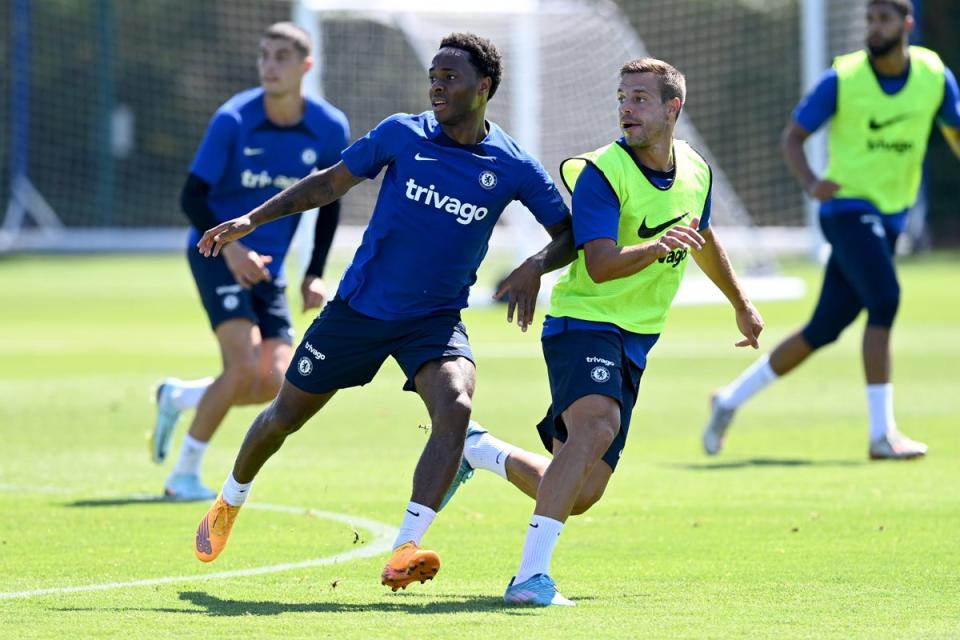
(539,590)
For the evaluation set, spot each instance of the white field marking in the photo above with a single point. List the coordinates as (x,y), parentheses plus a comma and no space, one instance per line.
(382,541)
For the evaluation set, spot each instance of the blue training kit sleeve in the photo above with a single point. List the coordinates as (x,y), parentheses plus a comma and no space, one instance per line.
(820,104)
(539,194)
(596,208)
(707,212)
(216,149)
(370,154)
(949,113)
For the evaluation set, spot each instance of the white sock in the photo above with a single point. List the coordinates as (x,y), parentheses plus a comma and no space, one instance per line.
(754,379)
(880,409)
(235,493)
(187,393)
(191,455)
(488,452)
(542,536)
(416,521)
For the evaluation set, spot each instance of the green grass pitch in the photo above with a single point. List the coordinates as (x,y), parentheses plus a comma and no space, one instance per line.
(791,532)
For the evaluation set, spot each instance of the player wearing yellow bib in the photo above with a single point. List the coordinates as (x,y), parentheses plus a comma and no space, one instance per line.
(641,205)
(883,102)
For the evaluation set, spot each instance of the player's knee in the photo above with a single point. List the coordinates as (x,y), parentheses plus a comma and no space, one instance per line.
(594,437)
(241,375)
(604,431)
(453,412)
(280,419)
(267,387)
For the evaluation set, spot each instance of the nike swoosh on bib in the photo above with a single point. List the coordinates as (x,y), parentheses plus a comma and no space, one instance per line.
(421,158)
(876,126)
(648,232)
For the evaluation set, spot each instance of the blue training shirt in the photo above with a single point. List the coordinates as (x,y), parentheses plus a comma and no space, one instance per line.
(247,159)
(435,212)
(820,104)
(596,214)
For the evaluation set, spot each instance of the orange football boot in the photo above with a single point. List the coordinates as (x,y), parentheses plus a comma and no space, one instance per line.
(214,530)
(409,563)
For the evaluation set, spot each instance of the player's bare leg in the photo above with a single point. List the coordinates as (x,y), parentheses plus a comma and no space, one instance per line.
(289,411)
(592,424)
(789,354)
(446,387)
(525,469)
(242,353)
(876,354)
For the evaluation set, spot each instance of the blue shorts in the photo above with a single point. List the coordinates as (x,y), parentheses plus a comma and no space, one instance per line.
(859,274)
(344,348)
(583,363)
(264,304)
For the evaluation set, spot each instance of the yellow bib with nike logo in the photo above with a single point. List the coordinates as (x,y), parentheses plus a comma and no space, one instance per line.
(877,141)
(639,302)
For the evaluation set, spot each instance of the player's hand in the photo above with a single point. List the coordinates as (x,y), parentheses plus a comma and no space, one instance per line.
(750,325)
(247,266)
(215,239)
(823,190)
(314,292)
(521,288)
(680,237)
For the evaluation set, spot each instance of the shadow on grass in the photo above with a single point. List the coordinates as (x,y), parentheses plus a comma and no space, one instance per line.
(410,603)
(124,501)
(766,462)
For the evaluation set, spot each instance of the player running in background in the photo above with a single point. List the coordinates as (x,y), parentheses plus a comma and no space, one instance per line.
(258,143)
(882,103)
(449,176)
(640,206)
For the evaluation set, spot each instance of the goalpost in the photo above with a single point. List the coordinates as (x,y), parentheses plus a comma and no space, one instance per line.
(561,59)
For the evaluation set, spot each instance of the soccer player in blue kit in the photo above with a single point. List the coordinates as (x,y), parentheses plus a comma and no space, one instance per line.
(882,103)
(449,175)
(259,142)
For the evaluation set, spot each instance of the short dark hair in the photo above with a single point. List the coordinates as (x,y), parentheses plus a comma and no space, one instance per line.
(296,34)
(672,83)
(484,56)
(903,7)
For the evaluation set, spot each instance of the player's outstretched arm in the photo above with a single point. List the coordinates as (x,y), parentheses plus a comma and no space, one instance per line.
(522,286)
(606,260)
(713,261)
(316,190)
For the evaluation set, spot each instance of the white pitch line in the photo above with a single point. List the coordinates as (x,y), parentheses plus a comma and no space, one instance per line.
(382,541)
